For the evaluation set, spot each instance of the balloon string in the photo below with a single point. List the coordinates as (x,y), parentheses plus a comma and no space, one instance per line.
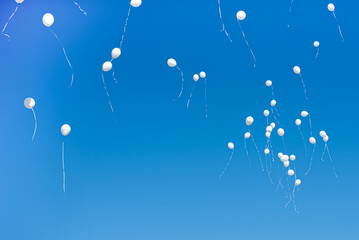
(331,161)
(322,157)
(276,119)
(311,161)
(83,11)
(340,31)
(250,49)
(291,5)
(272,91)
(113,76)
(245,147)
(285,149)
(205,96)
(259,155)
(220,16)
(305,145)
(108,96)
(225,169)
(124,28)
(305,90)
(316,55)
(7,22)
(310,125)
(270,179)
(33,112)
(190,95)
(290,196)
(63,49)
(179,96)
(63,166)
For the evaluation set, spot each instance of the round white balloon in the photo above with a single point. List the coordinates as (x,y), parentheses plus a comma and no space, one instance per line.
(266,151)
(284,158)
(266,113)
(273,103)
(195,77)
(231,145)
(136,3)
(269,83)
(280,132)
(286,164)
(304,113)
(116,52)
(292,157)
(269,129)
(202,74)
(312,140)
(331,7)
(280,155)
(290,172)
(107,66)
(298,122)
(268,134)
(298,182)
(241,15)
(326,139)
(316,44)
(272,125)
(48,19)
(322,133)
(247,135)
(171,62)
(29,103)
(249,120)
(65,129)
(19,1)
(296,70)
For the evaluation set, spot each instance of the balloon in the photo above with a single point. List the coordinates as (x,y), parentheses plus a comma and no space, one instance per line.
(280,155)
(269,129)
(326,138)
(195,77)
(241,15)
(249,120)
(247,135)
(107,66)
(298,122)
(116,52)
(284,158)
(298,182)
(273,103)
(290,172)
(29,103)
(266,113)
(280,132)
(304,113)
(266,151)
(331,7)
(286,164)
(312,140)
(292,157)
(322,133)
(65,129)
(231,145)
(272,125)
(19,1)
(316,44)
(268,134)
(48,19)
(269,83)
(136,3)
(296,70)
(202,74)
(171,62)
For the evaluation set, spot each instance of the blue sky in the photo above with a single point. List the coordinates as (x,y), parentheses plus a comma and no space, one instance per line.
(151,170)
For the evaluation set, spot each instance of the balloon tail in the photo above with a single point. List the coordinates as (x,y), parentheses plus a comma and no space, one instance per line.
(67,59)
(245,147)
(63,167)
(340,31)
(108,95)
(291,5)
(124,28)
(205,96)
(113,76)
(305,145)
(294,204)
(250,49)
(225,169)
(269,176)
(83,11)
(310,125)
(190,95)
(322,157)
(220,16)
(331,161)
(304,88)
(272,91)
(316,55)
(259,155)
(311,161)
(33,112)
(179,96)
(7,22)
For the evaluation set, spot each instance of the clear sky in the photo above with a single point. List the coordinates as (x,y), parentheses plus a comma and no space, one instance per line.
(150,171)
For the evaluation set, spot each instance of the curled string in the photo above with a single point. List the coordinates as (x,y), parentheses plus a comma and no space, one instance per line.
(311,161)
(63,49)
(205,96)
(305,90)
(179,96)
(220,16)
(83,11)
(322,157)
(108,96)
(124,28)
(33,112)
(250,49)
(7,22)
(225,169)
(190,95)
(331,160)
(340,31)
(63,167)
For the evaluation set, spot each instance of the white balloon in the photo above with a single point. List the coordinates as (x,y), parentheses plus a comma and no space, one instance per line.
(290,172)
(231,145)
(292,157)
(284,158)
(272,125)
(171,62)
(286,164)
(316,44)
(298,182)
(322,133)
(266,113)
(298,122)
(107,66)
(136,3)
(241,15)
(116,52)
(273,103)
(195,77)
(269,83)
(19,1)
(325,139)
(304,113)
(48,19)
(312,140)
(249,120)
(280,132)
(29,103)
(269,129)
(247,135)
(266,151)
(280,155)
(65,129)
(202,74)
(296,70)
(331,7)
(268,134)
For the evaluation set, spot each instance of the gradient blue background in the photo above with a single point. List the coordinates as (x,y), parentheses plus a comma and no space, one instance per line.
(153,173)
